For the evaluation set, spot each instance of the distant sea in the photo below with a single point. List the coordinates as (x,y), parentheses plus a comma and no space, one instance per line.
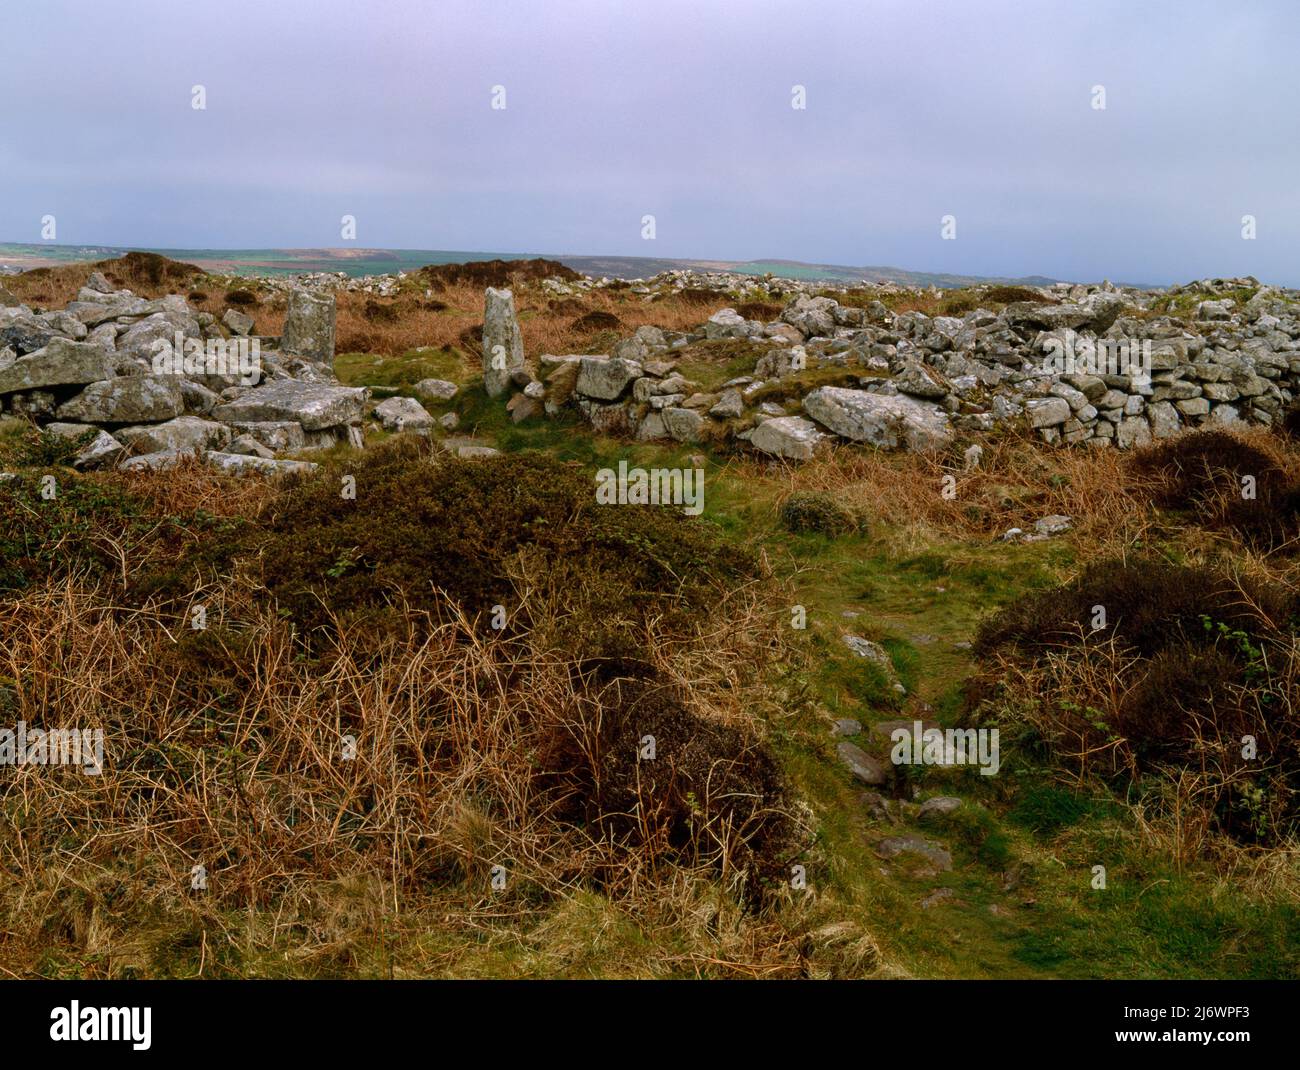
(260,261)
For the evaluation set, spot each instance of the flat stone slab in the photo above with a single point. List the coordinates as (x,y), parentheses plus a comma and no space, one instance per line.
(156,462)
(315,406)
(129,399)
(242,464)
(791,437)
(182,433)
(884,420)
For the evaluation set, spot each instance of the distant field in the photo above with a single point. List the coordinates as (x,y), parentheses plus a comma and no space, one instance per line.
(257,261)
(358,262)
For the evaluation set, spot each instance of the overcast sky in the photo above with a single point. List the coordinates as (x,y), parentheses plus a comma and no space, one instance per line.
(682,110)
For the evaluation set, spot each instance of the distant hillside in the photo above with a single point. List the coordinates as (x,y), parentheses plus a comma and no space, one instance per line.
(359,261)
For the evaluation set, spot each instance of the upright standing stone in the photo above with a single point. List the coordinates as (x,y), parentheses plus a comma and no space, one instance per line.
(309,327)
(503,345)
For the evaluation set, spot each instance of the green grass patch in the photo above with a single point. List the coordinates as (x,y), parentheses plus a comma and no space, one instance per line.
(399,374)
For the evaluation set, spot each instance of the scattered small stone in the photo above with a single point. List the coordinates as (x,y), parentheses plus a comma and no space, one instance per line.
(862,765)
(876,806)
(940,804)
(939,895)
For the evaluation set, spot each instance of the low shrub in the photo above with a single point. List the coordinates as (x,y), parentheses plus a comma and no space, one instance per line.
(424,532)
(241,298)
(81,530)
(1007,295)
(1148,605)
(1223,483)
(1192,677)
(596,321)
(819,512)
(378,312)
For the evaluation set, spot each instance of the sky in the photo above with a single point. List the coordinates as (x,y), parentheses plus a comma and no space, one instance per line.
(914,111)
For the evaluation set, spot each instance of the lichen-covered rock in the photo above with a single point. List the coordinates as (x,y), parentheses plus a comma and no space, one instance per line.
(59,363)
(1047,412)
(919,381)
(21,330)
(729,405)
(812,316)
(243,464)
(101,450)
(683,425)
(605,379)
(791,437)
(276,435)
(248,446)
(436,389)
(313,405)
(133,399)
(403,414)
(237,322)
(181,433)
(879,419)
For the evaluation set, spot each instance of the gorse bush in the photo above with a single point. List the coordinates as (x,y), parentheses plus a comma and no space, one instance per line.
(1148,606)
(818,511)
(1222,482)
(82,529)
(1143,666)
(596,321)
(426,533)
